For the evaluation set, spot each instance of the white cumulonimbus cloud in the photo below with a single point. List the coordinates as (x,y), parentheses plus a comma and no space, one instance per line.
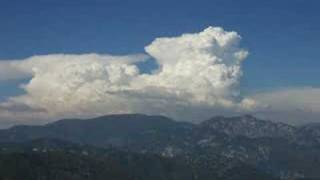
(198,77)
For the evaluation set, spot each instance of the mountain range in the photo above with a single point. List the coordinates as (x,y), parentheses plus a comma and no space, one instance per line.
(241,147)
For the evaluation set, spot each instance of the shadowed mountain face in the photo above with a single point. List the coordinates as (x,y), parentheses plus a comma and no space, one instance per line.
(278,149)
(60,160)
(115,130)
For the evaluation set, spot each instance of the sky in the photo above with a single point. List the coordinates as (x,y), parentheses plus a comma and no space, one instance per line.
(279,78)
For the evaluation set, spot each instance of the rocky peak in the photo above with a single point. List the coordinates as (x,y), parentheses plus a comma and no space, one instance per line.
(248,126)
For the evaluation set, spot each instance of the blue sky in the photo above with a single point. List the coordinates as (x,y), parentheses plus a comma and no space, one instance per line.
(281,35)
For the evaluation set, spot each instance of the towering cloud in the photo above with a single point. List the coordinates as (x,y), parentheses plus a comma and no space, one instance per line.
(206,65)
(198,77)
